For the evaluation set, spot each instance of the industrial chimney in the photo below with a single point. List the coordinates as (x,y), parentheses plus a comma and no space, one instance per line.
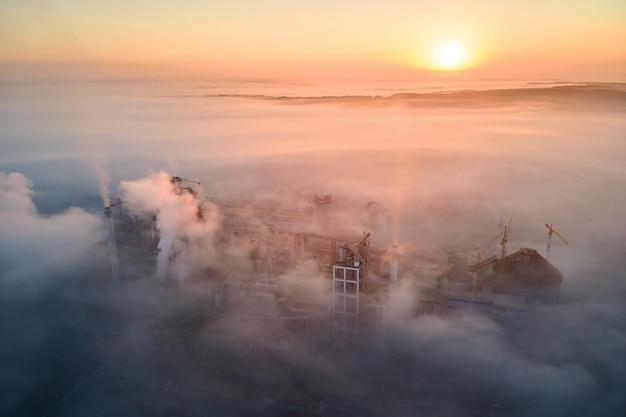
(115,270)
(321,208)
(393,267)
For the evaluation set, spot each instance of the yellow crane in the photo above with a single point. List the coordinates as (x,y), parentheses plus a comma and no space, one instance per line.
(505,236)
(478,253)
(551,231)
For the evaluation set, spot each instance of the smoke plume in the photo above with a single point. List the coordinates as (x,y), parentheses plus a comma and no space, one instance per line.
(104,179)
(186,226)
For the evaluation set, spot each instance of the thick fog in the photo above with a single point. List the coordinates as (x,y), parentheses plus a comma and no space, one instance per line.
(34,246)
(449,167)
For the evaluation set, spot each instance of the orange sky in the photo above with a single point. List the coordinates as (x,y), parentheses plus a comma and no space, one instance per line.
(582,40)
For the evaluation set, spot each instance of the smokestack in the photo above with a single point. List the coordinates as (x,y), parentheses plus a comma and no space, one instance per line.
(343,253)
(321,208)
(393,264)
(115,270)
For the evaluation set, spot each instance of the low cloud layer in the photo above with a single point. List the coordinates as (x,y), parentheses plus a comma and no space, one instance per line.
(35,247)
(447,177)
(589,96)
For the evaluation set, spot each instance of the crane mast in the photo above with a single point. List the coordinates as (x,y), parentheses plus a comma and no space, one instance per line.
(477,251)
(505,236)
(551,231)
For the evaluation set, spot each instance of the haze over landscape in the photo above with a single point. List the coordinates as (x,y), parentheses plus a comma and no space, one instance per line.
(454,116)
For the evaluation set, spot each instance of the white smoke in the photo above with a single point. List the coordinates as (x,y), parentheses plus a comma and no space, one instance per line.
(104,179)
(186,241)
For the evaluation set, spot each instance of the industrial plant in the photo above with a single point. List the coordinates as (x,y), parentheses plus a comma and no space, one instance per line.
(267,301)
(358,274)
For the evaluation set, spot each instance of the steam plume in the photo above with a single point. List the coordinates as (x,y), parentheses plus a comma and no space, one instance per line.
(104,179)
(185,239)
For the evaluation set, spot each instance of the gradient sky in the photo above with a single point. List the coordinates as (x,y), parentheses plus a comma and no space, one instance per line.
(577,40)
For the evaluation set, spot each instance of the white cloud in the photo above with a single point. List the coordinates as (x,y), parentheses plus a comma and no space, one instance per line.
(33,246)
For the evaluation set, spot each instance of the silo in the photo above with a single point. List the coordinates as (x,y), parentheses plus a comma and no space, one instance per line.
(528,274)
(343,253)
(393,267)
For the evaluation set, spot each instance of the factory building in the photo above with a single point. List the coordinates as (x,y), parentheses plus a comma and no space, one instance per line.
(527,274)
(277,239)
(288,280)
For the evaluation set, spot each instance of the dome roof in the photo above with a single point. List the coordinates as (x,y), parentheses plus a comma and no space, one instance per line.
(527,267)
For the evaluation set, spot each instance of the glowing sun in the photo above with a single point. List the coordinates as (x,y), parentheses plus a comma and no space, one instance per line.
(450,56)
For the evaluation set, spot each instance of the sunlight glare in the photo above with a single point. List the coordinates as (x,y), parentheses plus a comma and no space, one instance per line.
(450,56)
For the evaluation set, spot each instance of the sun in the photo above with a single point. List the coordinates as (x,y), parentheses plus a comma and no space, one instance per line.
(447,53)
(450,56)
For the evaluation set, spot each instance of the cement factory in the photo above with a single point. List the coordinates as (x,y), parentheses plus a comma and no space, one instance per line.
(358,274)
(290,279)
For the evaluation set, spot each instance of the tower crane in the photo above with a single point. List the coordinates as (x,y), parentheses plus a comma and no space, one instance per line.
(478,253)
(182,185)
(483,264)
(505,236)
(493,240)
(551,231)
(119,203)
